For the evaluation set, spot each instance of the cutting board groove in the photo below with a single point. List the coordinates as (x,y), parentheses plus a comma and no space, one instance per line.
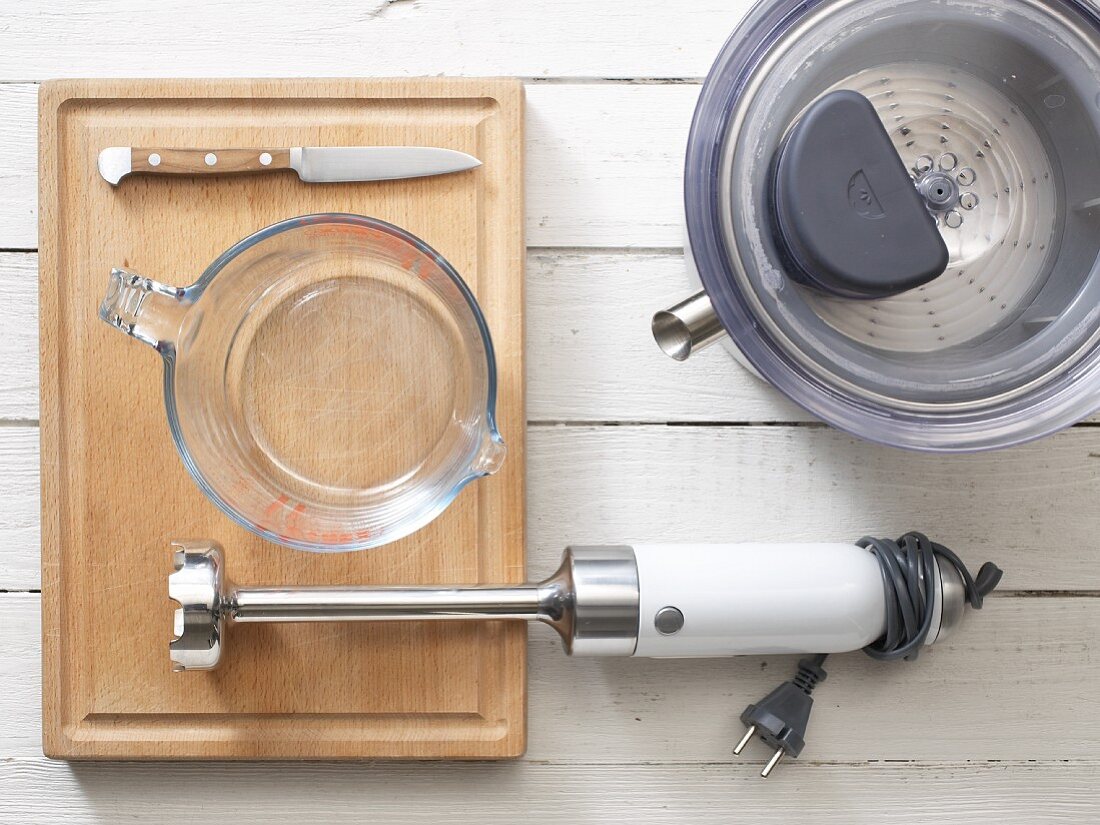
(114,493)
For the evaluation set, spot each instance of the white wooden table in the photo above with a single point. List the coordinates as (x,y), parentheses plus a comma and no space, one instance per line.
(1000,724)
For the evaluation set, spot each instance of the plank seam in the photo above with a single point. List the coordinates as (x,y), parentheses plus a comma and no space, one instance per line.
(643,763)
(998,594)
(32,423)
(533,80)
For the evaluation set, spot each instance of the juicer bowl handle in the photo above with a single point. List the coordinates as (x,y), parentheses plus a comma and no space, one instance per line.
(144,309)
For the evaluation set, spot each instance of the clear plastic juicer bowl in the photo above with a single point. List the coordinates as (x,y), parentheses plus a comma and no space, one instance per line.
(1000,99)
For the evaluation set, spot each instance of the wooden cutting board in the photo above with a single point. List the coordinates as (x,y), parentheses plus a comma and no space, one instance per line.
(115,494)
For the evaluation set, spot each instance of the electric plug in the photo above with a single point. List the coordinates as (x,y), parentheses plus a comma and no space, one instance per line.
(781,717)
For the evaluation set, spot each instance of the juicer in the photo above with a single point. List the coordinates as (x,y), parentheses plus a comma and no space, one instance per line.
(893,213)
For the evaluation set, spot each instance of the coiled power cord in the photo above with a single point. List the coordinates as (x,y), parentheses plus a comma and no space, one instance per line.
(908,577)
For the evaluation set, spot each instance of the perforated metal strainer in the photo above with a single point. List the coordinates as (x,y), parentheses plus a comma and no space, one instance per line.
(997,214)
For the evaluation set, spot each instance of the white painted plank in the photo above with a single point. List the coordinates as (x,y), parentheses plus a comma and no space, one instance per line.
(208,38)
(19,170)
(590,355)
(1013,675)
(1031,509)
(1016,682)
(21,676)
(604,164)
(19,341)
(19,509)
(37,792)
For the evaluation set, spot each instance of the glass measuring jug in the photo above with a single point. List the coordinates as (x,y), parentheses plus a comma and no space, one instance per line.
(330,381)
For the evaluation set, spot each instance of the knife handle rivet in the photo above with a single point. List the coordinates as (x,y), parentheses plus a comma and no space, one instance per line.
(210,158)
(154,159)
(265,158)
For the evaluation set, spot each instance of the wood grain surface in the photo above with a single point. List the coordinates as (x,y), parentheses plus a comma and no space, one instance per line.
(985,729)
(113,498)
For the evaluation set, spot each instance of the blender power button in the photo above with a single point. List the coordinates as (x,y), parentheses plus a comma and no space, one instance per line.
(669,620)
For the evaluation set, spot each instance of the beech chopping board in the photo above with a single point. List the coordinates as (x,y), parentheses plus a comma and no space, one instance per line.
(115,494)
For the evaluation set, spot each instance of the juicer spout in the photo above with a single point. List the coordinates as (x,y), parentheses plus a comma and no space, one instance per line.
(688,327)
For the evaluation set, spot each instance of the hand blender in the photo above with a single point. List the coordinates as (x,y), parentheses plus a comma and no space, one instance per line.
(693,600)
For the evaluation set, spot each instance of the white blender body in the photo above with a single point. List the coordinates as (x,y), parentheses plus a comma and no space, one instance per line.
(757,598)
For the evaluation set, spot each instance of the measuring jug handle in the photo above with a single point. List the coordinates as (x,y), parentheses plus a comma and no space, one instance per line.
(144,309)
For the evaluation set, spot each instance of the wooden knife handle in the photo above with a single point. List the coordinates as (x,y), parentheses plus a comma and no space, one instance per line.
(207,161)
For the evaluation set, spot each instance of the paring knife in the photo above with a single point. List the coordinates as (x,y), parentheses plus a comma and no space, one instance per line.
(325,164)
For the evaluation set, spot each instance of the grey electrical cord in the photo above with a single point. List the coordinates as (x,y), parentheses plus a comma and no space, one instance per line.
(908,580)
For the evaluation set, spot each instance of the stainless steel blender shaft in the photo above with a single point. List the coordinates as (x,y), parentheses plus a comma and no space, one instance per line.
(591,601)
(327,604)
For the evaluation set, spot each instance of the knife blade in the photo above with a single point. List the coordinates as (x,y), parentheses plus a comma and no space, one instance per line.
(314,164)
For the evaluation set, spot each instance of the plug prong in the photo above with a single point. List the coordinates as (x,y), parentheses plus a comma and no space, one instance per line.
(744,740)
(772,762)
